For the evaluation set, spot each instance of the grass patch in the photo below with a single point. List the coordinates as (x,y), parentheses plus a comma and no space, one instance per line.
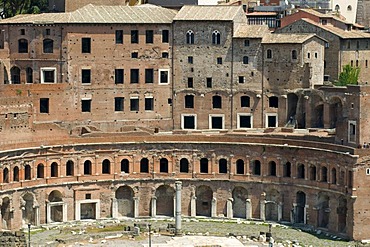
(113,228)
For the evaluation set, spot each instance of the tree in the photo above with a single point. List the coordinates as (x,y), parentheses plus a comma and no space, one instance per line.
(349,75)
(15,7)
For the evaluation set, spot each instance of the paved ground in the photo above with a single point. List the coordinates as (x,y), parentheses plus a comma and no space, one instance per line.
(198,233)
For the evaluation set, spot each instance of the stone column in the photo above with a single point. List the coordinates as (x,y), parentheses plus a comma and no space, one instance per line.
(114,208)
(193,206)
(37,215)
(214,207)
(293,213)
(178,185)
(78,211)
(305,214)
(262,210)
(229,208)
(48,212)
(154,206)
(280,211)
(65,212)
(248,209)
(326,116)
(136,207)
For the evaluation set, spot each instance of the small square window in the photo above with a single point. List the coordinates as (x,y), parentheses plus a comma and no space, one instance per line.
(219,60)
(118,103)
(241,79)
(86,76)
(190,59)
(23,31)
(245,121)
(134,104)
(86,105)
(190,82)
(209,82)
(48,75)
(88,196)
(134,55)
(189,122)
(164,76)
(165,55)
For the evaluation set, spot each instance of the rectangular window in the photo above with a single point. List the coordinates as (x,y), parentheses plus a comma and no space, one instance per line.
(244,121)
(86,76)
(48,75)
(165,54)
(367,171)
(119,36)
(209,82)
(134,37)
(118,76)
(246,42)
(165,36)
(118,103)
(149,36)
(134,104)
(190,82)
(189,101)
(86,45)
(216,121)
(189,122)
(219,60)
(190,59)
(149,75)
(352,131)
(241,79)
(271,121)
(164,76)
(134,54)
(23,31)
(149,104)
(86,105)
(47,31)
(44,105)
(134,76)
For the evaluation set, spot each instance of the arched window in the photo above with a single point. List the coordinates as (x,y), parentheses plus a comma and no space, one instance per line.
(40,171)
(240,166)
(184,165)
(15,74)
(287,170)
(294,54)
(29,75)
(324,174)
(245,60)
(69,168)
(190,37)
(125,166)
(272,168)
(337,8)
(245,101)
(144,165)
(87,167)
(349,8)
(313,173)
(163,165)
(6,175)
(222,166)
(217,102)
(16,174)
(300,171)
(333,176)
(54,170)
(22,46)
(216,37)
(48,46)
(256,167)
(204,165)
(106,166)
(27,172)
(269,54)
(189,101)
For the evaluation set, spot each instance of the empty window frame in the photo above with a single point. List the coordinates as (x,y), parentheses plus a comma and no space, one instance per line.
(351,131)
(134,104)
(86,45)
(44,105)
(15,74)
(256,167)
(48,46)
(294,55)
(274,102)
(189,101)
(245,101)
(241,79)
(245,60)
(216,102)
(134,37)
(240,167)
(164,76)
(134,76)
(163,165)
(119,36)
(87,167)
(119,76)
(48,75)
(190,82)
(246,42)
(190,37)
(86,76)
(134,54)
(29,75)
(86,105)
(190,59)
(244,121)
(184,165)
(125,166)
(209,82)
(119,103)
(22,46)
(216,121)
(165,54)
(27,172)
(204,165)
(165,36)
(216,37)
(69,168)
(149,104)
(219,60)
(149,36)
(271,120)
(269,54)
(144,165)
(222,166)
(149,75)
(189,121)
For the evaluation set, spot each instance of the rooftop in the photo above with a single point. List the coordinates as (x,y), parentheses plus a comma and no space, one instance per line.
(251,31)
(208,13)
(286,38)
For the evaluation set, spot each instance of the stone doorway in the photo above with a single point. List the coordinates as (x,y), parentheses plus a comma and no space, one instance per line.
(88,211)
(165,200)
(240,196)
(56,207)
(342,214)
(204,195)
(323,210)
(300,207)
(125,201)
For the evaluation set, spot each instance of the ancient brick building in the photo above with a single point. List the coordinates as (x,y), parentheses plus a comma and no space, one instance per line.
(104,108)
